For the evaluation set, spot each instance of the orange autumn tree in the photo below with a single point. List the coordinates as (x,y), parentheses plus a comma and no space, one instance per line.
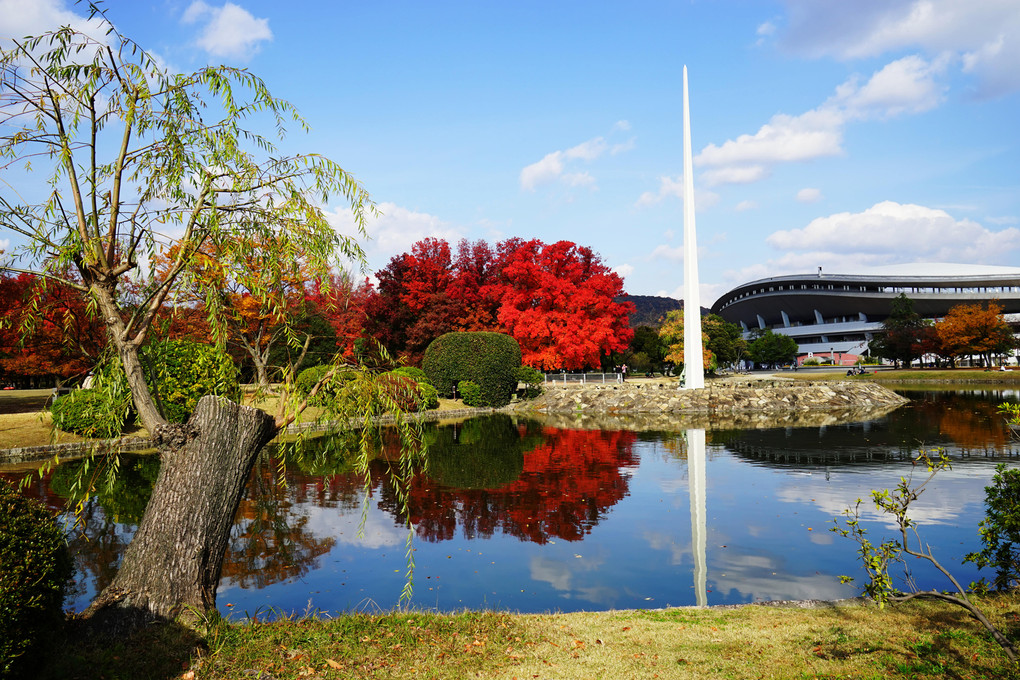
(974,329)
(672,334)
(253,295)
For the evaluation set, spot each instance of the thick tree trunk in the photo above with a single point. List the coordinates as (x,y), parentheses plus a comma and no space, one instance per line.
(175,557)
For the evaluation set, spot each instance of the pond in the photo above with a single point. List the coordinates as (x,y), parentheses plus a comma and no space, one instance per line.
(524,515)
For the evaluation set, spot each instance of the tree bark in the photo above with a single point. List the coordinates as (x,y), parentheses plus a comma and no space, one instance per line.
(175,558)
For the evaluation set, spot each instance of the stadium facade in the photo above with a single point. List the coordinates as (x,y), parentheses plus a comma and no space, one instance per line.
(838,314)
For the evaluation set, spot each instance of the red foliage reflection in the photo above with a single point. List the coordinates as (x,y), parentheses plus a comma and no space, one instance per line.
(567,484)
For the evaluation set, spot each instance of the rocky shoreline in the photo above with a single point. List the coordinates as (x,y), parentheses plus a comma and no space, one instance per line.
(735,402)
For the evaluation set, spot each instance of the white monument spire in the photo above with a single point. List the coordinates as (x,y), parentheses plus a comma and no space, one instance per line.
(694,367)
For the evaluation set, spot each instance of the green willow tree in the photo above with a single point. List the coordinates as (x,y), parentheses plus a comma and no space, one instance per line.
(138,161)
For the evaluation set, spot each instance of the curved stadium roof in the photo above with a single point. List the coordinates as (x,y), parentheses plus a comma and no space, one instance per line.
(793,304)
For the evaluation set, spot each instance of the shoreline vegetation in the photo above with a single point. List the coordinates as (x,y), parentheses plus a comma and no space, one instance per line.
(23,422)
(849,639)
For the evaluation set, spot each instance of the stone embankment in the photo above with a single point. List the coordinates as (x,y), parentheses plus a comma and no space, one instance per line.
(740,403)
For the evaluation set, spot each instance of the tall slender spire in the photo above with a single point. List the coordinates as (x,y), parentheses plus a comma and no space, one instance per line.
(693,351)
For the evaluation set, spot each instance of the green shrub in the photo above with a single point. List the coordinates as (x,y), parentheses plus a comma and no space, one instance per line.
(180,372)
(308,378)
(429,396)
(35,567)
(470,393)
(532,379)
(412,372)
(403,390)
(91,413)
(490,360)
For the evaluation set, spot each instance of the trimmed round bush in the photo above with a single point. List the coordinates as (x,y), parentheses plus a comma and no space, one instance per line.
(35,567)
(490,360)
(470,393)
(91,413)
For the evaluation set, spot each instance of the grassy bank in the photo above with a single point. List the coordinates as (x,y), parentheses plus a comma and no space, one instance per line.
(919,376)
(24,421)
(913,640)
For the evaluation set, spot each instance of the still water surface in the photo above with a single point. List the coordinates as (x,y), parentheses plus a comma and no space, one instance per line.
(519,515)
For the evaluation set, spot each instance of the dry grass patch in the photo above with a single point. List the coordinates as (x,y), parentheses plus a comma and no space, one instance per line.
(847,641)
(19,430)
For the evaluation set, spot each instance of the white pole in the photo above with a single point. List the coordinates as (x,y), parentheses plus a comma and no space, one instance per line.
(693,354)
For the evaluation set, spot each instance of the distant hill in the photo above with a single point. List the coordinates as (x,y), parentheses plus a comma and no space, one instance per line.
(649,309)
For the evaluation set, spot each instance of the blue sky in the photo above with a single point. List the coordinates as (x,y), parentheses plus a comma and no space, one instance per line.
(842,135)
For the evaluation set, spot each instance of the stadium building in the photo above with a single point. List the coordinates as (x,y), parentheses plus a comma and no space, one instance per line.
(836,315)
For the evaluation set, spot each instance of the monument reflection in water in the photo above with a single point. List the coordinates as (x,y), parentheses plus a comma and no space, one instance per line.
(578,515)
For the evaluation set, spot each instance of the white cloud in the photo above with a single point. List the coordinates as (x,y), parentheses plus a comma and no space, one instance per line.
(746,205)
(1006,219)
(229,31)
(666,252)
(984,35)
(709,291)
(809,195)
(623,270)
(735,174)
(579,179)
(670,187)
(622,147)
(890,232)
(19,18)
(784,138)
(564,165)
(545,170)
(393,232)
(589,150)
(908,85)
(765,30)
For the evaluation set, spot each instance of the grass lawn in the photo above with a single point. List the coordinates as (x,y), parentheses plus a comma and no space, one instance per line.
(912,640)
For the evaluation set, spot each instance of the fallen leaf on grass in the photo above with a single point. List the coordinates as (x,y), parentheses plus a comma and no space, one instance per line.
(334,664)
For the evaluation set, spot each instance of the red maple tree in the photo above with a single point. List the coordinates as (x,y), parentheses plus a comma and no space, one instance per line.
(559,301)
(47,333)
